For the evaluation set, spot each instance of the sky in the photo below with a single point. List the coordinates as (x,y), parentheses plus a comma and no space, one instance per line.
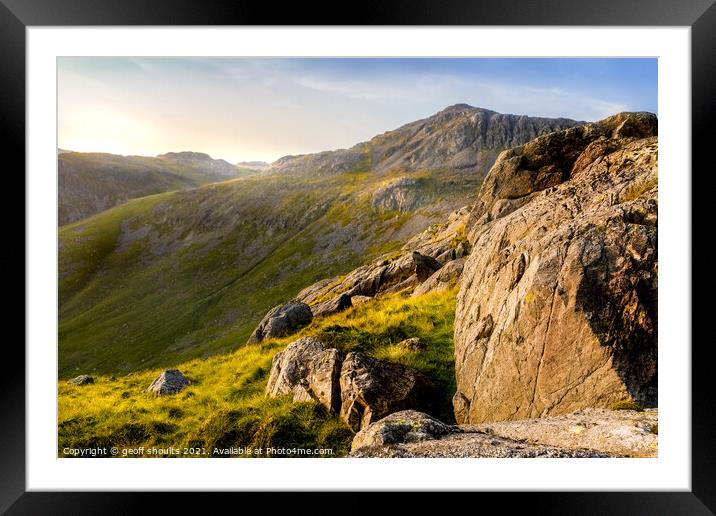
(243,109)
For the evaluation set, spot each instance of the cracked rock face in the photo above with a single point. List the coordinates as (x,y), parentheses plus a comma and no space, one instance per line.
(558,298)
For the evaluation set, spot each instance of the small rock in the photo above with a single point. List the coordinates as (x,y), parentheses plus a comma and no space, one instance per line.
(412,344)
(401,427)
(462,250)
(281,320)
(359,300)
(170,381)
(83,379)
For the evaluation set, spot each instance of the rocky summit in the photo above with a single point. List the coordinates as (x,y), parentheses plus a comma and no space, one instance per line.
(458,137)
(558,298)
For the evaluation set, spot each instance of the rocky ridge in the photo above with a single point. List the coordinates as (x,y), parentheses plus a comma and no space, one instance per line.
(458,137)
(431,260)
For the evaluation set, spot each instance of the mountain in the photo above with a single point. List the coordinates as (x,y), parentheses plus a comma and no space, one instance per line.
(460,137)
(524,324)
(189,273)
(89,183)
(253,165)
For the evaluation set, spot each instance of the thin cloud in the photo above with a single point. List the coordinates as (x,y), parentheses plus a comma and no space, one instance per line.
(245,108)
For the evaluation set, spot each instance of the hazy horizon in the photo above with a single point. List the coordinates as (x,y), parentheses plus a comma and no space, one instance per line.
(260,109)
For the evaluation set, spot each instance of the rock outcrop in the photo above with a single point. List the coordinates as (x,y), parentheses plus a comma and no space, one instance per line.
(170,381)
(558,298)
(399,194)
(360,388)
(282,320)
(586,433)
(83,379)
(407,270)
(402,427)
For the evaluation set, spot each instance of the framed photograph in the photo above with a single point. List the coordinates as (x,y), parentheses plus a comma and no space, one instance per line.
(434,250)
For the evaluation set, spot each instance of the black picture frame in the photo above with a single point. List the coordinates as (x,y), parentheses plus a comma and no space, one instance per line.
(700,15)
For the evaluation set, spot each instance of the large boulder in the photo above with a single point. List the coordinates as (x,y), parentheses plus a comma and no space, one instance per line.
(401,427)
(282,320)
(359,388)
(170,381)
(371,389)
(306,370)
(558,299)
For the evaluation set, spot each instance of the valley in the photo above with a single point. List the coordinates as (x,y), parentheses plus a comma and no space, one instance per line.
(476,284)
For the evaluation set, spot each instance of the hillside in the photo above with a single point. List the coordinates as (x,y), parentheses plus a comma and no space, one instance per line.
(526,323)
(89,183)
(189,273)
(225,406)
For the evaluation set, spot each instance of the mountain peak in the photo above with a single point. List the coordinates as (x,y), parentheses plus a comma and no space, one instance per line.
(456,108)
(186,156)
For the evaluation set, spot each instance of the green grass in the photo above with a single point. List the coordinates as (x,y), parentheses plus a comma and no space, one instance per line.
(225,406)
(627,405)
(204,266)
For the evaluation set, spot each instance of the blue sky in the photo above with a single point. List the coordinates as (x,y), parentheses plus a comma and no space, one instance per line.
(262,109)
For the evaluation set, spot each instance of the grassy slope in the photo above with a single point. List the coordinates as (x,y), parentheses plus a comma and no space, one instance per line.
(93,182)
(175,276)
(225,405)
